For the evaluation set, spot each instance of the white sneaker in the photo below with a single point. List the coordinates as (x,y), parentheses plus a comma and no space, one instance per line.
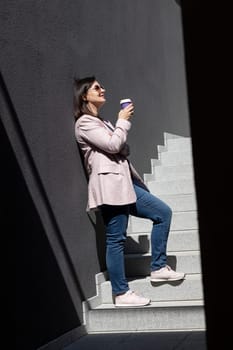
(130,299)
(166,274)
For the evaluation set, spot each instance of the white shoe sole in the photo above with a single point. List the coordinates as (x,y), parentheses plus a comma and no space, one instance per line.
(166,279)
(132,305)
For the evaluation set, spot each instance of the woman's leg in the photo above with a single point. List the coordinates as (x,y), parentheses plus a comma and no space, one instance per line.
(116,221)
(150,207)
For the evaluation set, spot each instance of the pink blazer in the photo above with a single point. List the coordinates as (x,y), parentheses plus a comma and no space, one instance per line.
(105,154)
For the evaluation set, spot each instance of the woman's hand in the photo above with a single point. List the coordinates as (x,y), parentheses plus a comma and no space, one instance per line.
(127,112)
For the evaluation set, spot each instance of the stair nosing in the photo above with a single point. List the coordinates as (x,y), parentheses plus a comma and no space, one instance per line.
(180,253)
(154,304)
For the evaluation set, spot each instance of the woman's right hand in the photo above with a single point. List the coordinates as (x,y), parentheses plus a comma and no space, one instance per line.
(127,112)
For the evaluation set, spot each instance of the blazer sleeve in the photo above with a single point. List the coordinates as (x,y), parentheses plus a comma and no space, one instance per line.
(93,131)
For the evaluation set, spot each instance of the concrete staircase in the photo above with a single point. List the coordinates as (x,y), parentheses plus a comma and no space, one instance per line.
(176,305)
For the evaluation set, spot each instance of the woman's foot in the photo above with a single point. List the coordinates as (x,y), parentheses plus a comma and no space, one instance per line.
(166,274)
(130,299)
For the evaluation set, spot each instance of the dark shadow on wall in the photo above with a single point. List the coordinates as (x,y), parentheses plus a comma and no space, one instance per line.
(97,223)
(43,308)
(207,37)
(99,228)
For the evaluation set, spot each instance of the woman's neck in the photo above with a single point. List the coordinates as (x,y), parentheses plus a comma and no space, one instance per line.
(93,109)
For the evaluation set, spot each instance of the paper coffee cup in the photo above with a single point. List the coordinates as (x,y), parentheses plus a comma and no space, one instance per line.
(125,102)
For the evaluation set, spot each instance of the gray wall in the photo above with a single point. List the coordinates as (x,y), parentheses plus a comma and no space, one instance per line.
(135,49)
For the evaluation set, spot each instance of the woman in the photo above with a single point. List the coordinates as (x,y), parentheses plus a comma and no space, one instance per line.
(116,189)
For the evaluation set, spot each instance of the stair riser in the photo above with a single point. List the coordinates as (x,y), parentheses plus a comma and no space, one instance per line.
(165,173)
(180,221)
(180,290)
(182,202)
(178,204)
(140,265)
(179,145)
(146,319)
(180,186)
(177,241)
(168,173)
(175,158)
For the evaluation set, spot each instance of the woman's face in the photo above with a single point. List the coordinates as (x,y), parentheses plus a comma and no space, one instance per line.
(95,95)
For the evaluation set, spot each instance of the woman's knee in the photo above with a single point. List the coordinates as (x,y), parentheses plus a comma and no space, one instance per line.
(164,214)
(116,237)
(168,211)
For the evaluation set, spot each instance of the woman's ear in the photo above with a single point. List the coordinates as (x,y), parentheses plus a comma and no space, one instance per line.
(84,98)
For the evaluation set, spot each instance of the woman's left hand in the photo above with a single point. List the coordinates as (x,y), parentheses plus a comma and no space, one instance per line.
(127,112)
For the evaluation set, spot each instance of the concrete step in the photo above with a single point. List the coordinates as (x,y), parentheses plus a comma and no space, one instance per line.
(167,173)
(139,264)
(175,305)
(179,186)
(159,316)
(186,220)
(175,158)
(173,172)
(178,241)
(180,202)
(188,289)
(176,145)
(179,144)
(175,142)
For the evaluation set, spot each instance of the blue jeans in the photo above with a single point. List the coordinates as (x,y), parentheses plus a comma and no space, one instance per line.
(116,221)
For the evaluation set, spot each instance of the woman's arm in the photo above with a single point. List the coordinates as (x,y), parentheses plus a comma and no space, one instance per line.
(93,131)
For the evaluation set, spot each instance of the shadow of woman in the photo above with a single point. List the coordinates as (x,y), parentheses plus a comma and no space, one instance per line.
(97,223)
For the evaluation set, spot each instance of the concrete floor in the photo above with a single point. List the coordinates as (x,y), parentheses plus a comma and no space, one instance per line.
(191,340)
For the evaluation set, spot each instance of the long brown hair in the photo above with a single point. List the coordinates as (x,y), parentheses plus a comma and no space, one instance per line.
(81,87)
